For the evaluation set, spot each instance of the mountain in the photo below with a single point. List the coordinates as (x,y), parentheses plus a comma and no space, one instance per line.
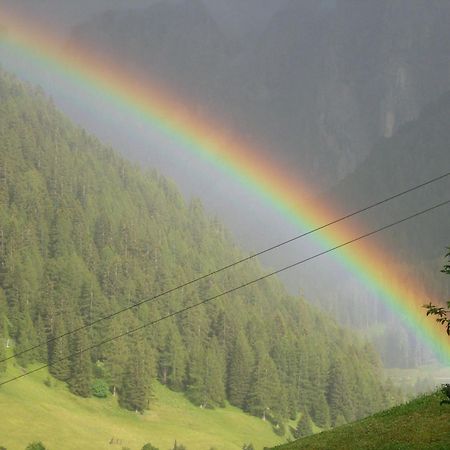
(84,233)
(320,82)
(418,151)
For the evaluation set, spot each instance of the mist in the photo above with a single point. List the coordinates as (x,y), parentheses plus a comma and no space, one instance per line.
(322,84)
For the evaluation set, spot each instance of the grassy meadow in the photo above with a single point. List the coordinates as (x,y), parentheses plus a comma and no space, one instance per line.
(32,411)
(421,424)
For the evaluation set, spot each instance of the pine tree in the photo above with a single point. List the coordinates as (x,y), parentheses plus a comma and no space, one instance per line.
(59,351)
(172,362)
(116,354)
(319,411)
(26,338)
(80,364)
(304,427)
(214,375)
(136,391)
(4,332)
(264,395)
(240,371)
(338,392)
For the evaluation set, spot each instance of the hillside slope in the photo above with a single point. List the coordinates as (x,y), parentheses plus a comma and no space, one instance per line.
(84,233)
(421,424)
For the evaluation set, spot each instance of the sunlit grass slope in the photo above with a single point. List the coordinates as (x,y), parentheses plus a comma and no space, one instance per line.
(421,424)
(32,411)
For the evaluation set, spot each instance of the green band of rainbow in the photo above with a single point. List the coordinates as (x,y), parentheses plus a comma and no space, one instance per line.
(155,105)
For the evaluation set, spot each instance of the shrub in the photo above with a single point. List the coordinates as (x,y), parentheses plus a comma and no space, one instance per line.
(36,446)
(100,388)
(149,446)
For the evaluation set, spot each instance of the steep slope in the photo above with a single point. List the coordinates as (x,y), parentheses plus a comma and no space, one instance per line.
(84,233)
(421,424)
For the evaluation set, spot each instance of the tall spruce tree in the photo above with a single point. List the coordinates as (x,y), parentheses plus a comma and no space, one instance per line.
(59,351)
(80,363)
(240,371)
(136,391)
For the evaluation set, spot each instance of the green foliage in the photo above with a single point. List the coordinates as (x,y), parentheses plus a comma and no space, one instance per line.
(26,400)
(443,314)
(35,446)
(248,447)
(445,390)
(87,233)
(136,385)
(304,426)
(100,388)
(420,424)
(149,446)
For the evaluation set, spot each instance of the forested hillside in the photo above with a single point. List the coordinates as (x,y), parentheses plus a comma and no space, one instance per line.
(84,233)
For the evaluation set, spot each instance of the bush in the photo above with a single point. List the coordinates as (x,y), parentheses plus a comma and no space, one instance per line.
(36,446)
(100,388)
(149,447)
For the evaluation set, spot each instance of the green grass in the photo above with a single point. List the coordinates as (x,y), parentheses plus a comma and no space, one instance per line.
(31,411)
(420,424)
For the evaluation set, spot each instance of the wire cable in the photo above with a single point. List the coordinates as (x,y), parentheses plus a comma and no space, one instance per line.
(229,266)
(222,294)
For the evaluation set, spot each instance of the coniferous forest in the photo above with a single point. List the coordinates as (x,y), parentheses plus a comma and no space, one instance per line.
(84,233)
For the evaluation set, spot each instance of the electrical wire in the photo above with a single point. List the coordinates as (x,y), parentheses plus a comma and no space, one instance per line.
(222,294)
(231,265)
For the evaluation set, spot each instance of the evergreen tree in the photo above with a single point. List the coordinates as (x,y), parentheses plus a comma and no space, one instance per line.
(264,395)
(214,374)
(319,411)
(338,392)
(59,351)
(149,446)
(26,338)
(80,364)
(304,427)
(115,354)
(4,333)
(136,391)
(240,371)
(172,362)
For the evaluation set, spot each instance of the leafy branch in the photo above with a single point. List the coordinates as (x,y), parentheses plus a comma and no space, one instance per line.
(443,314)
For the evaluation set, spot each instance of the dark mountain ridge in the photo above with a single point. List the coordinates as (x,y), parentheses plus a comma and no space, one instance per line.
(320,84)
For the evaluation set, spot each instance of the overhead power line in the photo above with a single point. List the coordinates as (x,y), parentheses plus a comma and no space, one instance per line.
(229,291)
(233,264)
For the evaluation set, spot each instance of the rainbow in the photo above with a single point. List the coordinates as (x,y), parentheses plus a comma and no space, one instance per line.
(155,105)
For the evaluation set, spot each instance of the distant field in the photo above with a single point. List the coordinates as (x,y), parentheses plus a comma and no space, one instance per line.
(421,424)
(32,411)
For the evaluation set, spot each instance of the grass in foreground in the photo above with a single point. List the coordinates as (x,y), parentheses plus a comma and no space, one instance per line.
(420,424)
(31,411)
